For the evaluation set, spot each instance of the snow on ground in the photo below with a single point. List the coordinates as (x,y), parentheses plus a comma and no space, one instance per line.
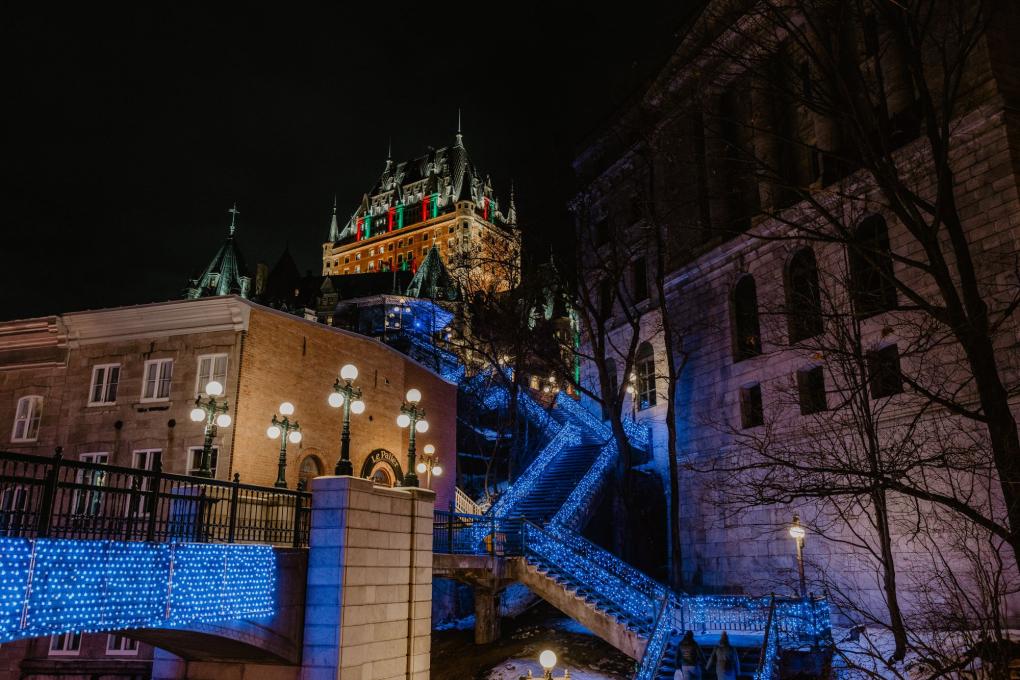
(466,623)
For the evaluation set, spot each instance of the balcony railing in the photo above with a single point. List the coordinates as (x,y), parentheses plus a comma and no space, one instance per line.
(58,498)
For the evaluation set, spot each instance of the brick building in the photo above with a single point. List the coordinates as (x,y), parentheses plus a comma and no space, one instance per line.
(116,386)
(712,166)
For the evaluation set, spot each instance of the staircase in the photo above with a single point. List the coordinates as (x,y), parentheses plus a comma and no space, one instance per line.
(554,499)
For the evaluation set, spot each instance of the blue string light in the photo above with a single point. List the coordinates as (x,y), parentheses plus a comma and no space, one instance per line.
(52,586)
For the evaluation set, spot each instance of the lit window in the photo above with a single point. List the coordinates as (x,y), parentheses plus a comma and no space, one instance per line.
(357,269)
(26,419)
(158,373)
(144,459)
(211,367)
(195,459)
(104,384)
(89,484)
(357,256)
(371,266)
(644,365)
(121,646)
(65,644)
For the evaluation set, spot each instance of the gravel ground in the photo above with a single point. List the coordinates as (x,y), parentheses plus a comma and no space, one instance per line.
(455,656)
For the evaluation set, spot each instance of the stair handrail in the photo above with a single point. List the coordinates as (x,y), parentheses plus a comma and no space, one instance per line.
(522,486)
(611,588)
(769,647)
(637,433)
(656,647)
(607,560)
(587,486)
(464,504)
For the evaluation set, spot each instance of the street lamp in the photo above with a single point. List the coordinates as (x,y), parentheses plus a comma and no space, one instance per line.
(215,416)
(412,416)
(347,395)
(291,432)
(429,465)
(797,532)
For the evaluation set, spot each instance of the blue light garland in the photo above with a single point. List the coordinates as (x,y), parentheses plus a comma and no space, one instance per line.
(52,586)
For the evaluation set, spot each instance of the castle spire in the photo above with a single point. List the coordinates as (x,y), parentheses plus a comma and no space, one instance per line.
(389,154)
(333,227)
(460,136)
(234,212)
(511,213)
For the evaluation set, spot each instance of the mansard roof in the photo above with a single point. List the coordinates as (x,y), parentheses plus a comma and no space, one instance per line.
(447,172)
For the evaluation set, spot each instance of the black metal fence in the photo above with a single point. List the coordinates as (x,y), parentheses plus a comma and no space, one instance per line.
(461,534)
(59,498)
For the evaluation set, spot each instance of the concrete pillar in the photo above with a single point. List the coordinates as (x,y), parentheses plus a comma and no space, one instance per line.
(486,615)
(368,612)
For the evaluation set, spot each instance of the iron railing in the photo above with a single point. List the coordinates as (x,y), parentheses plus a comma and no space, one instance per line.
(60,498)
(462,534)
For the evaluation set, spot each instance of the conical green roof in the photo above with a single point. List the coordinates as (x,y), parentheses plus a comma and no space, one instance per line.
(433,280)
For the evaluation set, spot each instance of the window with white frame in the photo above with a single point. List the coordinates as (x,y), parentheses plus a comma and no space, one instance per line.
(195,460)
(65,644)
(121,646)
(103,390)
(26,419)
(156,386)
(90,482)
(211,367)
(144,459)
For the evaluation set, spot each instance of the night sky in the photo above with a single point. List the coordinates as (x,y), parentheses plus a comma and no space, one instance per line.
(131,132)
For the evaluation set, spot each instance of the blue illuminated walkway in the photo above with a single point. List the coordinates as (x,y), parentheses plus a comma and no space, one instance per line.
(52,586)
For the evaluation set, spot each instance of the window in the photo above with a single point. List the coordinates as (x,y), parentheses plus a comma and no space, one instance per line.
(803,296)
(639,272)
(88,497)
(157,379)
(751,412)
(371,266)
(871,270)
(26,419)
(311,467)
(195,459)
(121,646)
(644,368)
(884,372)
(211,367)
(65,644)
(746,331)
(144,459)
(104,384)
(13,507)
(811,391)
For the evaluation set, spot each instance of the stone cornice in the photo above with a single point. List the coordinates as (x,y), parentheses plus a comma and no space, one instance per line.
(178,317)
(44,331)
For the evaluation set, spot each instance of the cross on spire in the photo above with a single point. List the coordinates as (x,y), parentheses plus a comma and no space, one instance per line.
(234,212)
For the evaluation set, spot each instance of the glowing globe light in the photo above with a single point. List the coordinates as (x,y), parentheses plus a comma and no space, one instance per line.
(403,420)
(349,372)
(357,406)
(547,659)
(273,431)
(437,470)
(287,408)
(294,437)
(422,426)
(429,449)
(414,395)
(421,468)
(214,388)
(197,414)
(223,420)
(336,400)
(797,531)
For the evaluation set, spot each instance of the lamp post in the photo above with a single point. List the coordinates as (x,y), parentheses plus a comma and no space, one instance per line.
(797,532)
(429,465)
(412,416)
(215,416)
(348,396)
(632,390)
(291,432)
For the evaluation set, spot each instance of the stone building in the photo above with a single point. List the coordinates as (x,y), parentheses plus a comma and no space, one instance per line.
(727,182)
(115,386)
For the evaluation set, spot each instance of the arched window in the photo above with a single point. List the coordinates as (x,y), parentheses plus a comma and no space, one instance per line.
(871,270)
(803,297)
(746,330)
(644,368)
(311,467)
(26,419)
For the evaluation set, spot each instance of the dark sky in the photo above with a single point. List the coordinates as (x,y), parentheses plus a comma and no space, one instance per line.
(131,131)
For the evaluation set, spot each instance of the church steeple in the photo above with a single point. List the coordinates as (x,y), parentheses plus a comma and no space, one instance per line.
(334,228)
(511,213)
(226,274)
